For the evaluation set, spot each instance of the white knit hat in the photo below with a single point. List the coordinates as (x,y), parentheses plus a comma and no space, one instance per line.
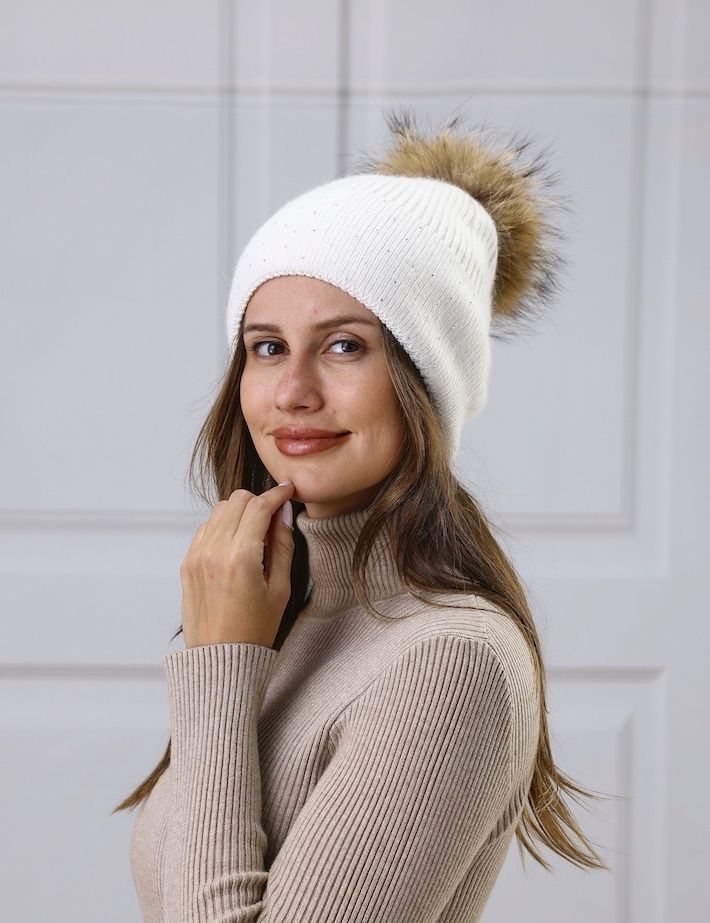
(418,249)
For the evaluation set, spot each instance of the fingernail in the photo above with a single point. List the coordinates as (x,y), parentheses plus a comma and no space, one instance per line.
(284,483)
(287,513)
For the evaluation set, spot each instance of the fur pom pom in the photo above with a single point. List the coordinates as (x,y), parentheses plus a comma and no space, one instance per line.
(519,198)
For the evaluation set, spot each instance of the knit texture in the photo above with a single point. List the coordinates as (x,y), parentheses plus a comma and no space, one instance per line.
(418,252)
(367,771)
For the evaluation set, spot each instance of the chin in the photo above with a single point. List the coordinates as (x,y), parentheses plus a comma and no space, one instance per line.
(307,493)
(310,488)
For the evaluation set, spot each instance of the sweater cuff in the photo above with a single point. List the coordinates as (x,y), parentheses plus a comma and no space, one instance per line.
(216,692)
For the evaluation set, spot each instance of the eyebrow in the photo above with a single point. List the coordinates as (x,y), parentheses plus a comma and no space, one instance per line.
(331,322)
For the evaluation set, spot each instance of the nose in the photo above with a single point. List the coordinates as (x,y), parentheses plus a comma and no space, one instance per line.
(299,383)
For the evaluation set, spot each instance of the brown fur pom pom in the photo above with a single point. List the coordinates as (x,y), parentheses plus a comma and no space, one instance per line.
(517,196)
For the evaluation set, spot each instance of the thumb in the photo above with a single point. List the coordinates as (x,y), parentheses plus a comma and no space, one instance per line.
(282,544)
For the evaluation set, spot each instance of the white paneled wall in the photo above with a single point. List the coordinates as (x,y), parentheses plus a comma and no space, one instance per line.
(142,143)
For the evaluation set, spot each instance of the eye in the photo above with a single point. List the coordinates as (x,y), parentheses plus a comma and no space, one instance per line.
(349,342)
(254,348)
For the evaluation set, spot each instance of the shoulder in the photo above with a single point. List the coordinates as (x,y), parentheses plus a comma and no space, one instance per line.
(469,616)
(494,642)
(434,672)
(473,617)
(507,639)
(448,692)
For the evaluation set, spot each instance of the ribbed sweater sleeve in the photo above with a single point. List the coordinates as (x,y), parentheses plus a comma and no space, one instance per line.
(419,773)
(216,692)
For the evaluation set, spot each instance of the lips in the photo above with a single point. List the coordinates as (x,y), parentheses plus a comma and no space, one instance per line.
(308,445)
(304,432)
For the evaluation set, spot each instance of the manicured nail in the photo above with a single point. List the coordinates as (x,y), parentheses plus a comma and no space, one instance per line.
(287,513)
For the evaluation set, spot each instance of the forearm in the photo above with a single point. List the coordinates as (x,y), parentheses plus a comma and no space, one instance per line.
(217,839)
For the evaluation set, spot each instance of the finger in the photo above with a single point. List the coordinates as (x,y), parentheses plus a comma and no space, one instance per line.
(281,547)
(268,550)
(253,526)
(226,515)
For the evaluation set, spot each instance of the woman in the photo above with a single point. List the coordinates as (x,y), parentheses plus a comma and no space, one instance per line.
(361,745)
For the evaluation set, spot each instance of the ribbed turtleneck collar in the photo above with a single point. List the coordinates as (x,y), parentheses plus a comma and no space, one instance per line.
(331,546)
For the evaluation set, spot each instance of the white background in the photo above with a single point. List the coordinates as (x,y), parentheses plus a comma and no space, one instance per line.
(141,145)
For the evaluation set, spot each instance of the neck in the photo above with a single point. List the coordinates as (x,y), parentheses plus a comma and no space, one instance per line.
(331,545)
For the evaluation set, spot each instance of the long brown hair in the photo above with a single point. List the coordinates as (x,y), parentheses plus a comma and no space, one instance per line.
(443,541)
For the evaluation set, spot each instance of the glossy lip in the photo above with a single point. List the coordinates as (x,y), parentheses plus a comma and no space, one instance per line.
(305,432)
(300,446)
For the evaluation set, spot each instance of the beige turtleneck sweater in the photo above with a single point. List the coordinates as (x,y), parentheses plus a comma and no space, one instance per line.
(364,772)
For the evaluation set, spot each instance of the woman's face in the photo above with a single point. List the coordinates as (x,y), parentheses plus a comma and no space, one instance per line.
(300,373)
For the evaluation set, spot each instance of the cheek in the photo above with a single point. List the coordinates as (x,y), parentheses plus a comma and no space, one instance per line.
(378,416)
(391,424)
(250,397)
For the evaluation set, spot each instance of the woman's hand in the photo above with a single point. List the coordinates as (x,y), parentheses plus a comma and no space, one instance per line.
(228,594)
